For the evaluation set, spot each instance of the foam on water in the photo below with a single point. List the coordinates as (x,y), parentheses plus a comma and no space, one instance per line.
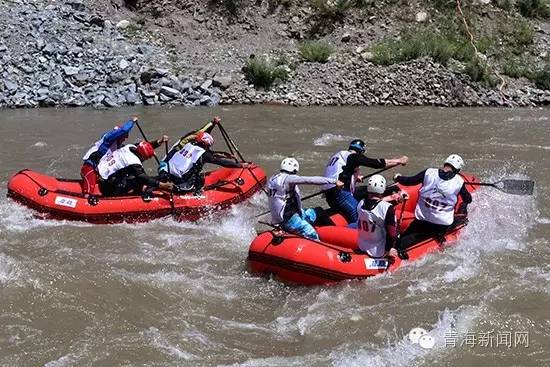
(64,361)
(401,351)
(329,138)
(9,270)
(160,342)
(40,144)
(18,218)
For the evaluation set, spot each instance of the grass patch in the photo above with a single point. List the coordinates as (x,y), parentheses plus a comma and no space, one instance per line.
(315,51)
(534,8)
(262,72)
(421,44)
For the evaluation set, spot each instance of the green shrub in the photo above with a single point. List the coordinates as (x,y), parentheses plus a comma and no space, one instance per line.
(517,68)
(534,8)
(507,5)
(315,51)
(479,71)
(262,72)
(542,78)
(523,35)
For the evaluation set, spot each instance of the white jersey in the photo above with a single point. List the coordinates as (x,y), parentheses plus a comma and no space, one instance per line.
(279,192)
(437,198)
(372,228)
(335,166)
(96,146)
(184,159)
(117,160)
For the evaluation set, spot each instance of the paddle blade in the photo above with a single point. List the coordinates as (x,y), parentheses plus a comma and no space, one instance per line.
(516,187)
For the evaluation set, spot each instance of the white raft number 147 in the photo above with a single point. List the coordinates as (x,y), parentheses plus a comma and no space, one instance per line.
(63,201)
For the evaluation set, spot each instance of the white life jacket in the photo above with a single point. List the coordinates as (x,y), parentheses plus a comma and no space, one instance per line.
(372,228)
(335,167)
(184,159)
(279,193)
(115,161)
(437,198)
(96,146)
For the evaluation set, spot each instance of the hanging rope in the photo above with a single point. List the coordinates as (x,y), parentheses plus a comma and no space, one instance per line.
(472,42)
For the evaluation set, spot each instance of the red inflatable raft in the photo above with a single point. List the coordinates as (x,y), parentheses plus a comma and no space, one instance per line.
(336,257)
(59,198)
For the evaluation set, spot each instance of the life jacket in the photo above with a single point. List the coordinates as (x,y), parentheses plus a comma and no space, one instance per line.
(437,198)
(95,148)
(185,159)
(113,162)
(283,201)
(335,167)
(372,228)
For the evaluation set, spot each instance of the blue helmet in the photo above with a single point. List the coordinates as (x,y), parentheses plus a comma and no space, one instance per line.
(358,145)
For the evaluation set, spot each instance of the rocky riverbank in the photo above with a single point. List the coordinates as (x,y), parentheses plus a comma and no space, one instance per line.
(104,54)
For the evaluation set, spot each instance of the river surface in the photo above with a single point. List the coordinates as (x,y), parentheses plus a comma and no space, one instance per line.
(178,294)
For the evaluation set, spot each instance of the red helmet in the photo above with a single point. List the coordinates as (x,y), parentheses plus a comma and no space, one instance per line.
(145,150)
(204,138)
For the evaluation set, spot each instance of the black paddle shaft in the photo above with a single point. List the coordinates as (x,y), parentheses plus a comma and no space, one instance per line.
(145,138)
(230,143)
(510,186)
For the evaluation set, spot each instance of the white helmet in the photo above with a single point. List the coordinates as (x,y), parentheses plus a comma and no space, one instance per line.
(376,184)
(290,165)
(455,161)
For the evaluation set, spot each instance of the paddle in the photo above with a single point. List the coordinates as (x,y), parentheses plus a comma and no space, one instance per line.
(171,197)
(278,228)
(323,191)
(509,186)
(230,143)
(144,137)
(402,253)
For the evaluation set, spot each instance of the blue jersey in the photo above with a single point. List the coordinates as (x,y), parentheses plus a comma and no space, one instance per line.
(107,143)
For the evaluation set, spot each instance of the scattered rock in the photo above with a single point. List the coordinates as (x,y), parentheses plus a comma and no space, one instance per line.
(421,16)
(170,92)
(70,70)
(207,84)
(123,24)
(123,64)
(222,82)
(346,37)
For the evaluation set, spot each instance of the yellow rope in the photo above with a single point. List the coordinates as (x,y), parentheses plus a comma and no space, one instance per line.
(472,42)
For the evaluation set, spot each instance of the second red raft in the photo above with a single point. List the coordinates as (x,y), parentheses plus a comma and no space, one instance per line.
(336,257)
